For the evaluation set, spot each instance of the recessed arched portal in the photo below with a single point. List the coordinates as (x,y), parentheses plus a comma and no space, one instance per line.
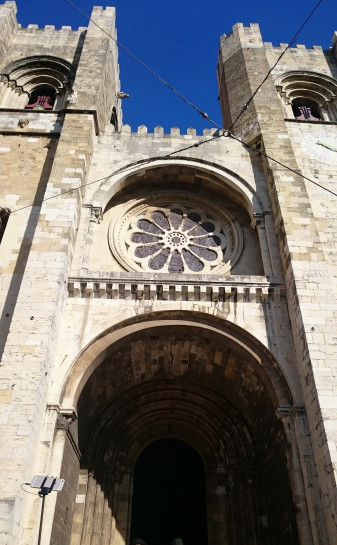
(169,495)
(206,383)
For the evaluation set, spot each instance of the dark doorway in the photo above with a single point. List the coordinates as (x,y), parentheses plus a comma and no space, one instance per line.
(169,495)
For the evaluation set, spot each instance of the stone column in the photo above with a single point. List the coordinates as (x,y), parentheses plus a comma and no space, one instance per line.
(310,524)
(217,507)
(97,521)
(88,518)
(95,218)
(62,465)
(261,230)
(107,511)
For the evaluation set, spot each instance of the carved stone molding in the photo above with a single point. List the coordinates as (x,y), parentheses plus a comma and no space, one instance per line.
(96,214)
(65,420)
(172,291)
(23,123)
(258,221)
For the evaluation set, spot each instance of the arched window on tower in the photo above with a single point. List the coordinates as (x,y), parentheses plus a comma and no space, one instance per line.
(4,215)
(308,96)
(41,82)
(41,98)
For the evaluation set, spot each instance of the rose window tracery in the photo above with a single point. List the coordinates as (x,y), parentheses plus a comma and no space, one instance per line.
(176,240)
(171,237)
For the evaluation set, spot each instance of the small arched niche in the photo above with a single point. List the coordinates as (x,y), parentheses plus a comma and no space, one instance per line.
(305,110)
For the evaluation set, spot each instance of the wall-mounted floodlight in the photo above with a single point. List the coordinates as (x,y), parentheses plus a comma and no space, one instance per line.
(46,485)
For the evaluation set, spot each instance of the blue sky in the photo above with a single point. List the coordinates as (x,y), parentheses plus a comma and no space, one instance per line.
(179,40)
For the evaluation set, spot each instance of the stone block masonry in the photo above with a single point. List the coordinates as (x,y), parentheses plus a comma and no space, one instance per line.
(164,286)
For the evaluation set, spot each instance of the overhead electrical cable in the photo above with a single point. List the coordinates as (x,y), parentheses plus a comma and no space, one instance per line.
(230,135)
(118,171)
(225,133)
(146,66)
(201,112)
(121,170)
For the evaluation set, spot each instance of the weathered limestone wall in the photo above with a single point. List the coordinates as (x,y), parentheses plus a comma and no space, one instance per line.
(8,26)
(102,293)
(112,155)
(96,307)
(300,58)
(97,80)
(40,160)
(31,41)
(19,403)
(322,202)
(35,303)
(62,289)
(310,285)
(69,469)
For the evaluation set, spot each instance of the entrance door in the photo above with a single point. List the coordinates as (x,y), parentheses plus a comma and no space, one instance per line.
(169,495)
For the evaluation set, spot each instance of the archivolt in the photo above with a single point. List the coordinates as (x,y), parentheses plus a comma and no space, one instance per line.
(183,169)
(222,335)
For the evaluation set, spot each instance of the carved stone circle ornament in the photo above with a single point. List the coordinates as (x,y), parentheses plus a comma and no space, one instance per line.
(175,238)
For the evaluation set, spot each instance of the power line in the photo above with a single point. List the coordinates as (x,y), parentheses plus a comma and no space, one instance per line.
(203,114)
(279,163)
(188,102)
(292,41)
(226,133)
(118,171)
(150,160)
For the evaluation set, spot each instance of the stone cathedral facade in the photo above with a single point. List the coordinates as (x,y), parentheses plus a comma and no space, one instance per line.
(168,308)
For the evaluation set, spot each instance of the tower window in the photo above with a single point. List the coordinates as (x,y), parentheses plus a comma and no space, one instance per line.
(42,98)
(308,96)
(46,80)
(305,110)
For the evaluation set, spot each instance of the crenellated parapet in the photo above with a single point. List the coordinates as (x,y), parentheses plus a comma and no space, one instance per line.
(174,131)
(297,48)
(52,28)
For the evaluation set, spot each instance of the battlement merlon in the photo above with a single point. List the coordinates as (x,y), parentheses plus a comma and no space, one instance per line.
(103,19)
(174,132)
(250,37)
(99,59)
(8,25)
(239,38)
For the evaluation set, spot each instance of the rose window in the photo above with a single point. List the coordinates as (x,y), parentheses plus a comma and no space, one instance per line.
(176,240)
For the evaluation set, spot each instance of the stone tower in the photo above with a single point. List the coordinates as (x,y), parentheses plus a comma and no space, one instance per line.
(168,342)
